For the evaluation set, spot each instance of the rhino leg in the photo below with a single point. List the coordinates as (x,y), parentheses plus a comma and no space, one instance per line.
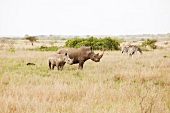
(81,65)
(58,66)
(49,64)
(53,67)
(61,68)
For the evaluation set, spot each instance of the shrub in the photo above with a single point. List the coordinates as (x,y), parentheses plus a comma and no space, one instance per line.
(150,42)
(153,46)
(97,43)
(73,42)
(11,50)
(45,48)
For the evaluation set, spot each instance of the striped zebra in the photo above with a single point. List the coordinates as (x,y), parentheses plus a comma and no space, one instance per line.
(130,50)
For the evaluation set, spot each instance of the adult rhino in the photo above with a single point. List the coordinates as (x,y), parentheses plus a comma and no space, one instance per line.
(81,55)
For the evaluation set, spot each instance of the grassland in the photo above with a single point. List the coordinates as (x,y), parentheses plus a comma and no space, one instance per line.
(117,84)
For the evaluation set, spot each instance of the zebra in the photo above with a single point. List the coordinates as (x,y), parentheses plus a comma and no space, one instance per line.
(131,50)
(125,49)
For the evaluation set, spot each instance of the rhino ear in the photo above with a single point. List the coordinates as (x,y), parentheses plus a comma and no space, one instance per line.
(91,48)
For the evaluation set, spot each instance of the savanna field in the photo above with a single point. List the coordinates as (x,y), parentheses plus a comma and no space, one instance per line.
(116,84)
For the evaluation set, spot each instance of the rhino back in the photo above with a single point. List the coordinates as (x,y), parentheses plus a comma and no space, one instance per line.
(59,58)
(72,52)
(82,53)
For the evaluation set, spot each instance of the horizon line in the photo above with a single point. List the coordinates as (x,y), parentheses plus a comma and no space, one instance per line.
(84,34)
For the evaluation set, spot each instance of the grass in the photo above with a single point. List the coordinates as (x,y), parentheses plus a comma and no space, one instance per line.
(117,84)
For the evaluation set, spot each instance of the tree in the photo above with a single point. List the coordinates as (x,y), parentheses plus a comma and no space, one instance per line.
(32,39)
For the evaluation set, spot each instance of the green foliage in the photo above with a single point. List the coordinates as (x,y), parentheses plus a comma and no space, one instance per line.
(150,42)
(11,50)
(73,42)
(111,44)
(45,48)
(107,43)
(153,46)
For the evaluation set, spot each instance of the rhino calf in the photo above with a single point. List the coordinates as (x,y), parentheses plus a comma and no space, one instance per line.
(59,61)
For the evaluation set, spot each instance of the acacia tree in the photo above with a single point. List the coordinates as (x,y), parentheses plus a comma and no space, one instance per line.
(32,39)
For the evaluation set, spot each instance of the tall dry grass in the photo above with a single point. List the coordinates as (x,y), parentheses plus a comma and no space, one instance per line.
(117,84)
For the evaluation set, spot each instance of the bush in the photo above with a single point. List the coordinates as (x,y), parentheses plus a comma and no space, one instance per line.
(11,50)
(150,42)
(153,46)
(107,43)
(73,42)
(45,48)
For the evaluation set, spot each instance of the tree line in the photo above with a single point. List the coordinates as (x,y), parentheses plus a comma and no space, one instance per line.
(106,43)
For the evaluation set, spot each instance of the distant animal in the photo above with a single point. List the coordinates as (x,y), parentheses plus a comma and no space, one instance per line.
(81,55)
(131,50)
(125,50)
(30,64)
(59,61)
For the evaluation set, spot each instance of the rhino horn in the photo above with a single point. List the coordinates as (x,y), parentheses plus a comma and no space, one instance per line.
(100,56)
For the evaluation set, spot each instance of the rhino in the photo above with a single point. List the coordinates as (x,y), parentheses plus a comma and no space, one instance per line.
(80,55)
(59,61)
